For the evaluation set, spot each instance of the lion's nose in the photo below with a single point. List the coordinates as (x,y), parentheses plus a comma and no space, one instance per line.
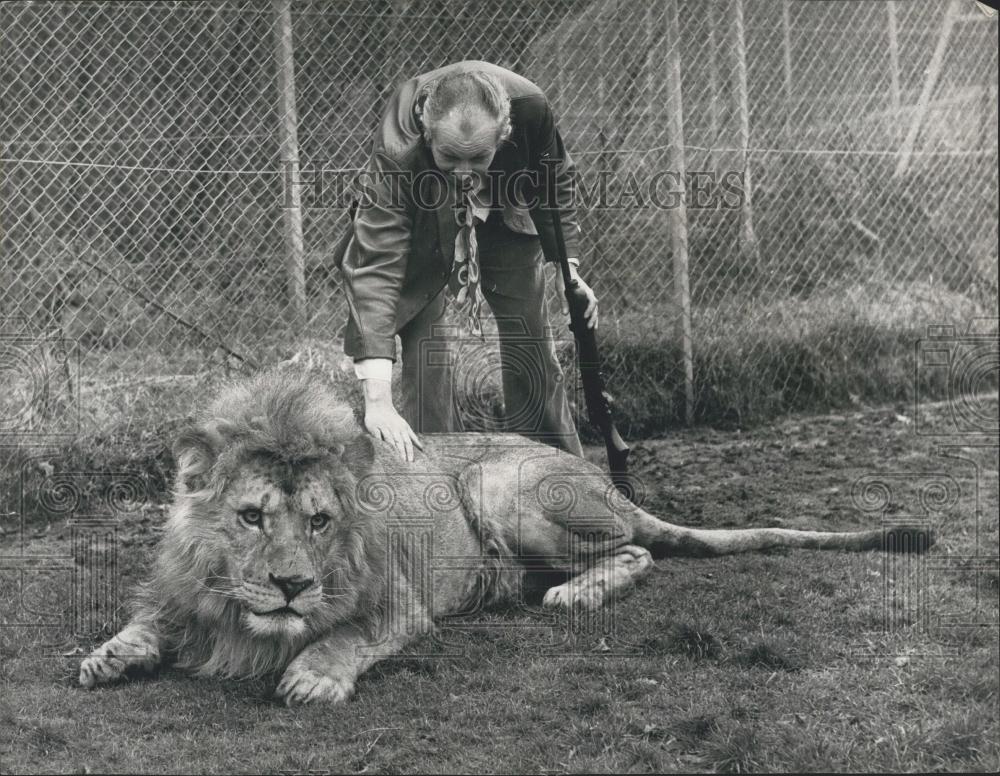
(291,586)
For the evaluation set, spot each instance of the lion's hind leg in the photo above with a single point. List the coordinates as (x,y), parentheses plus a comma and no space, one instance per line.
(137,646)
(610,575)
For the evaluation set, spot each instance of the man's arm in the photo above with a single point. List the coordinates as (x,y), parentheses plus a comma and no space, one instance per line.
(373,270)
(548,155)
(375,260)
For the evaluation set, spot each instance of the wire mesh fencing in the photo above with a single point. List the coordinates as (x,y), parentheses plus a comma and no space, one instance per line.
(174,177)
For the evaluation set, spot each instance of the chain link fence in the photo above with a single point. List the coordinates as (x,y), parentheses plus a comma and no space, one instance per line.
(839,160)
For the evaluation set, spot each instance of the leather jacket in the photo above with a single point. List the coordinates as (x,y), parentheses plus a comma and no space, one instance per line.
(398,252)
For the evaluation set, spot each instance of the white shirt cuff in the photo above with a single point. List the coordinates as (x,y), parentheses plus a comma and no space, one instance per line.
(377,368)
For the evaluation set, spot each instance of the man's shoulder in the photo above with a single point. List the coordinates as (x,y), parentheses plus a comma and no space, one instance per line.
(397,139)
(528,108)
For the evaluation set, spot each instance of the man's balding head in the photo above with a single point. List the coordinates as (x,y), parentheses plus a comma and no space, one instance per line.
(465,116)
(473,96)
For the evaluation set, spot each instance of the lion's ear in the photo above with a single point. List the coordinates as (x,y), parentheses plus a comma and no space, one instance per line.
(359,455)
(195,451)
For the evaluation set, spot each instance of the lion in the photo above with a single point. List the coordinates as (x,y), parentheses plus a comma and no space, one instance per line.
(299,546)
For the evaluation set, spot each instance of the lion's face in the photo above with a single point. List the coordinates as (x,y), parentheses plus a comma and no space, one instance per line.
(281,526)
(267,532)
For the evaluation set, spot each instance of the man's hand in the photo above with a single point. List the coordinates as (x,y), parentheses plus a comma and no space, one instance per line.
(383,422)
(590,314)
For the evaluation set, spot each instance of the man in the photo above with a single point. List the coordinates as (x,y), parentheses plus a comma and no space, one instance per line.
(453,211)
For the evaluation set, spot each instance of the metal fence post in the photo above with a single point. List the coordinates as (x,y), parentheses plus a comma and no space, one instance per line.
(713,90)
(890,10)
(748,240)
(289,141)
(602,162)
(786,40)
(678,213)
(933,73)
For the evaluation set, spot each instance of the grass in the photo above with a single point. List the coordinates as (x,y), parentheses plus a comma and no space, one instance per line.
(777,662)
(753,362)
(748,663)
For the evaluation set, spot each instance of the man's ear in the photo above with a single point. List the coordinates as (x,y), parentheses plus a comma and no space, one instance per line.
(196,450)
(359,455)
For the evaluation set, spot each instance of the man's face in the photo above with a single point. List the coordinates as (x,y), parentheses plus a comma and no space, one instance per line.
(463,146)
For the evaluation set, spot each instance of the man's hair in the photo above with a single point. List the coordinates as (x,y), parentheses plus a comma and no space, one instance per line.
(466,92)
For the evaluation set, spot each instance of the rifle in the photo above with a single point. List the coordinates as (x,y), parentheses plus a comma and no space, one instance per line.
(598,400)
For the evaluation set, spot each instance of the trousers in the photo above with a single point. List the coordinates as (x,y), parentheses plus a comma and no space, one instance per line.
(535,401)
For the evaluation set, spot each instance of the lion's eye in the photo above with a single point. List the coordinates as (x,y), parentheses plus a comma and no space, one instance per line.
(251,517)
(319,521)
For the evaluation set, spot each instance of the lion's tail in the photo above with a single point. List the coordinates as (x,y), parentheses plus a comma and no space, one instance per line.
(662,538)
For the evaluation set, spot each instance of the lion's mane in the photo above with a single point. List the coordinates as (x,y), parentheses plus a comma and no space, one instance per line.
(286,414)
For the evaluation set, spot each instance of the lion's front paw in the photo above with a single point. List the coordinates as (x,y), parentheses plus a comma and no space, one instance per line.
(302,685)
(101,667)
(134,647)
(574,594)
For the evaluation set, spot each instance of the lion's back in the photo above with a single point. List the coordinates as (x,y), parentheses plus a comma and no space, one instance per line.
(515,485)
